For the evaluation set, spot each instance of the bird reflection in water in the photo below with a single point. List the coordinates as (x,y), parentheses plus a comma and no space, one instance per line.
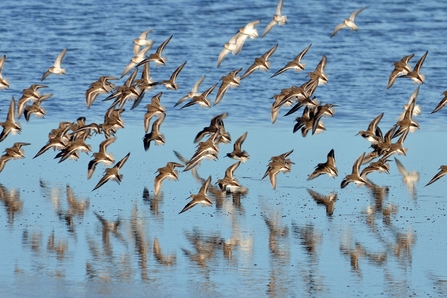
(439,283)
(403,245)
(56,249)
(359,252)
(52,193)
(166,260)
(377,208)
(278,243)
(155,202)
(33,241)
(75,207)
(107,228)
(276,231)
(237,196)
(11,201)
(60,247)
(327,201)
(204,247)
(106,264)
(310,240)
(137,224)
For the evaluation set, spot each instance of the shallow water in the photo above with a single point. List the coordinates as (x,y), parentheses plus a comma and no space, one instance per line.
(384,240)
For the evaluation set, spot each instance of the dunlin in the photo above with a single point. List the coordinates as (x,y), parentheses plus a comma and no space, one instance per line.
(155,135)
(416,108)
(273,169)
(56,68)
(415,74)
(385,142)
(170,84)
(279,163)
(442,103)
(142,40)
(29,94)
(208,149)
(307,122)
(167,171)
(319,73)
(192,93)
(397,147)
(348,23)
(35,108)
(101,86)
(157,56)
(406,123)
(248,30)
(101,156)
(10,125)
(229,183)
(400,68)
(294,64)
(230,80)
(441,173)
(355,175)
(57,139)
(327,167)
(215,123)
(14,152)
(139,56)
(153,109)
(301,94)
(201,99)
(72,148)
(277,19)
(4,83)
(200,198)
(260,63)
(371,132)
(234,45)
(113,173)
(144,84)
(380,166)
(238,153)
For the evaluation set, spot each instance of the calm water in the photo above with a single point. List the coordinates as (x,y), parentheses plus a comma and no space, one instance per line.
(384,240)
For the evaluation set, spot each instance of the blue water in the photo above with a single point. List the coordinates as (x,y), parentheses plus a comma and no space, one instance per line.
(351,253)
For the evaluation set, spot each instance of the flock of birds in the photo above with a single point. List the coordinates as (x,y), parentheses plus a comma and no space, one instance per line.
(69,138)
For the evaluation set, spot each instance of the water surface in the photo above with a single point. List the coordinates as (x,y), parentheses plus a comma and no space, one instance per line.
(387,239)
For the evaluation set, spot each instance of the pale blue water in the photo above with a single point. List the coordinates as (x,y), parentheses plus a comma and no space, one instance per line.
(402,256)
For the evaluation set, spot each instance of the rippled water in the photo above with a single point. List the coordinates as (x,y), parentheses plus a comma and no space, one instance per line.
(384,240)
